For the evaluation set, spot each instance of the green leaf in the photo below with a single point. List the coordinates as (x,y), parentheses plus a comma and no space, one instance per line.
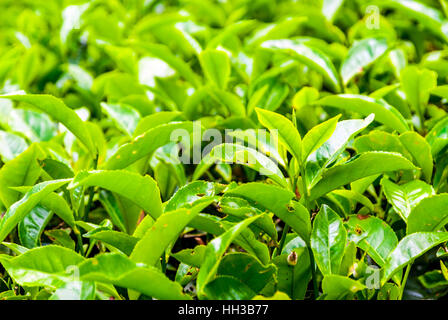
(56,109)
(154,120)
(279,202)
(330,8)
(214,253)
(317,136)
(16,248)
(125,117)
(55,203)
(112,206)
(409,248)
(11,145)
(234,153)
(192,257)
(276,296)
(21,208)
(21,171)
(143,191)
(312,57)
(438,136)
(42,266)
(164,53)
(32,226)
(75,290)
(229,100)
(166,229)
(287,133)
(328,240)
(145,144)
(241,208)
(378,140)
(417,85)
(189,195)
(227,288)
(119,270)
(404,198)
(247,269)
(384,112)
(372,235)
(430,214)
(324,156)
(362,54)
(363,165)
(420,150)
(216,67)
(61,237)
(429,17)
(123,242)
(293,279)
(355,197)
(337,287)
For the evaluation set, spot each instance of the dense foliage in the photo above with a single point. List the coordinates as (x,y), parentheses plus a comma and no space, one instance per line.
(98,201)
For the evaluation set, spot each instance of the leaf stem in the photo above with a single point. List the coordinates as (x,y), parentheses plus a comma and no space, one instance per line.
(307,205)
(405,278)
(79,239)
(278,250)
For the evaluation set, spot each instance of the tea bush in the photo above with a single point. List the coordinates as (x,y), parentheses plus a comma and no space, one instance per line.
(223,149)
